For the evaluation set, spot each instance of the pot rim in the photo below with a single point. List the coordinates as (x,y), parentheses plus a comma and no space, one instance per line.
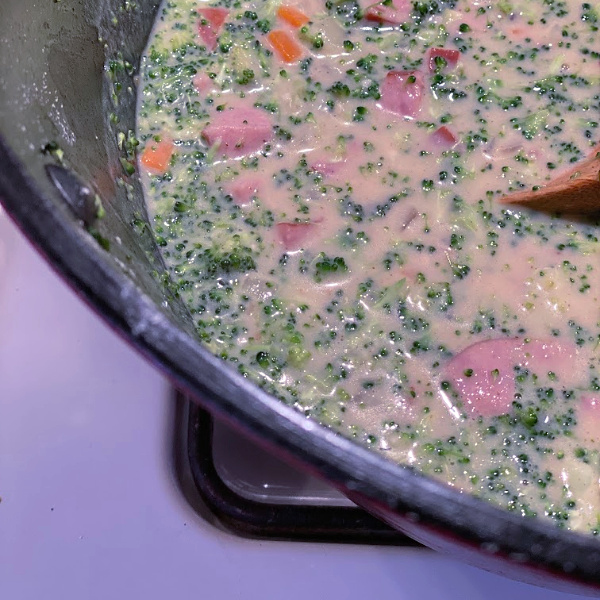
(354,469)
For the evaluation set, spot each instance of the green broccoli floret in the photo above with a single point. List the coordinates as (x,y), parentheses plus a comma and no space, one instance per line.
(215,262)
(326,266)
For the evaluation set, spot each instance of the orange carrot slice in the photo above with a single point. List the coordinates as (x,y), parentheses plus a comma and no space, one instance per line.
(292,15)
(286,47)
(157,156)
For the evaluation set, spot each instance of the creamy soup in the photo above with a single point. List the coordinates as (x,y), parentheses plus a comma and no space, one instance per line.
(325,181)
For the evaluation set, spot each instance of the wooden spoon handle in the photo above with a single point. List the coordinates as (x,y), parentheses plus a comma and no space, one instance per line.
(575,192)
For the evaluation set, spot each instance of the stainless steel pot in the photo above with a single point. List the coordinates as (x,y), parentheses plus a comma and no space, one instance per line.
(67,103)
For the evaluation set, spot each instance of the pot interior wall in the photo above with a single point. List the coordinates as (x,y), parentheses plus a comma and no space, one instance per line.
(67,97)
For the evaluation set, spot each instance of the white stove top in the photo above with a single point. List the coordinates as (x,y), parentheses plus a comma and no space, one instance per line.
(90,506)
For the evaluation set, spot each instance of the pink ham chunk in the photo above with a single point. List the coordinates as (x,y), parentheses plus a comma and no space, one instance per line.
(293,235)
(443,138)
(484,377)
(202,83)
(238,131)
(396,13)
(590,404)
(402,92)
(243,189)
(210,24)
(541,356)
(450,56)
(588,418)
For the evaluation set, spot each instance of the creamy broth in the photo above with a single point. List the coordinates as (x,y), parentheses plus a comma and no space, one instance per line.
(324,180)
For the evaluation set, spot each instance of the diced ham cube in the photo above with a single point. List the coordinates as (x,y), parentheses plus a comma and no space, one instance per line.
(210,24)
(402,92)
(293,235)
(389,14)
(588,418)
(238,131)
(214,15)
(590,403)
(243,189)
(484,374)
(543,356)
(443,137)
(202,82)
(450,56)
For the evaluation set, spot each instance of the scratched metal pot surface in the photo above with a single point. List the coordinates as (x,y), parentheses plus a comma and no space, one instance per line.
(67,178)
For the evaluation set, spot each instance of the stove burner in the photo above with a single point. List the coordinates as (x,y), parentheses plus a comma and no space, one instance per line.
(251,493)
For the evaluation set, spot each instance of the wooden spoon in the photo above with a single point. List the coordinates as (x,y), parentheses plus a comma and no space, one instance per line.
(575,192)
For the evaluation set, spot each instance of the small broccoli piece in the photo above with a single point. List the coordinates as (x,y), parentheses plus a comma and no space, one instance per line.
(326,266)
(217,262)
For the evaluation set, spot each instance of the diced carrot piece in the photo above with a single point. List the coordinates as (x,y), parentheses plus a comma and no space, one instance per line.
(157,156)
(286,47)
(292,15)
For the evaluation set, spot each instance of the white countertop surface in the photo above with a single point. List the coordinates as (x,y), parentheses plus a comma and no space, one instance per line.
(90,507)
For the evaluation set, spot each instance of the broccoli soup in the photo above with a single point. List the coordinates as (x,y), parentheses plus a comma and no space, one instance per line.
(324,179)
